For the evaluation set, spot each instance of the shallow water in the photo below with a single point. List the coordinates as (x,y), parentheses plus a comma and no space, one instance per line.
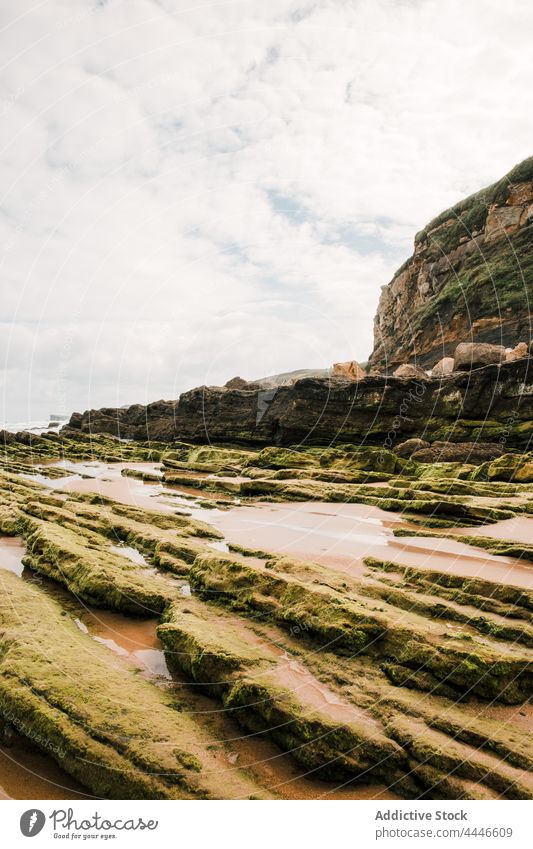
(26,772)
(106,479)
(341,535)
(335,535)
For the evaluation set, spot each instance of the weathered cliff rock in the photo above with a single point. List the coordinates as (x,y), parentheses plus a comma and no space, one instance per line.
(235,383)
(469,355)
(521,350)
(410,371)
(489,404)
(443,368)
(470,278)
(350,370)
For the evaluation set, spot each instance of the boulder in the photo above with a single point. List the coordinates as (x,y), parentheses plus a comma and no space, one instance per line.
(6,437)
(458,452)
(235,383)
(521,350)
(407,449)
(349,371)
(517,468)
(443,367)
(470,355)
(410,372)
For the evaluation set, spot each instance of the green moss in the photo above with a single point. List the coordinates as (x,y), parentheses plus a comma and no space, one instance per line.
(116,733)
(244,673)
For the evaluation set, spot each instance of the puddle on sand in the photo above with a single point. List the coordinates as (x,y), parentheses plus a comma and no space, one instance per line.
(131,638)
(28,773)
(106,479)
(517,529)
(12,551)
(341,535)
(131,553)
(219,545)
(290,673)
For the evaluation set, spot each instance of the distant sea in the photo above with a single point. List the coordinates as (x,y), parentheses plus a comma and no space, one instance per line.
(37,426)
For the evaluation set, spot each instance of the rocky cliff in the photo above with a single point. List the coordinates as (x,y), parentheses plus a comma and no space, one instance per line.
(470,278)
(491,404)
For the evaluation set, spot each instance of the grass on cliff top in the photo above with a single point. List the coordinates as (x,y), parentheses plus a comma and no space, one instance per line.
(475,207)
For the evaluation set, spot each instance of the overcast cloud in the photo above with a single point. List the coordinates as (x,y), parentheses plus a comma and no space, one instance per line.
(193,190)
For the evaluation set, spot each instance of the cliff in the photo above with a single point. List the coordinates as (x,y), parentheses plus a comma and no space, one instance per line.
(470,278)
(491,404)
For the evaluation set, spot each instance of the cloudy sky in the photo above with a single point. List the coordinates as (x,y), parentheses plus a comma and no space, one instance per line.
(192,190)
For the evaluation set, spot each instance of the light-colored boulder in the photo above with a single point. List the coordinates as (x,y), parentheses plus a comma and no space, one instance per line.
(470,355)
(443,367)
(407,370)
(350,370)
(517,353)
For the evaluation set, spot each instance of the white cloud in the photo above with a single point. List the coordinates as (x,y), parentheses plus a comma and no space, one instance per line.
(194,191)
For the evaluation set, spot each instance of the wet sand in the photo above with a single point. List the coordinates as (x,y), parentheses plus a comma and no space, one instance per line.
(517,529)
(12,550)
(27,773)
(335,535)
(341,535)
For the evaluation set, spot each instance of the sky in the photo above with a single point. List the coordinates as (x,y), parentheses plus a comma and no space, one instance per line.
(191,191)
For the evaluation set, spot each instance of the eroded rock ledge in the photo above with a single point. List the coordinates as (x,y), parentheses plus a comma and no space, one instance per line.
(485,405)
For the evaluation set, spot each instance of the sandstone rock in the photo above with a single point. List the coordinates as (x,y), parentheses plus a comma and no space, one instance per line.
(502,220)
(474,255)
(443,368)
(407,449)
(350,370)
(235,383)
(410,372)
(517,468)
(521,350)
(458,452)
(470,355)
(378,410)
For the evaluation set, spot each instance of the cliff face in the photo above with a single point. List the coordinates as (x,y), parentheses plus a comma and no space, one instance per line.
(491,404)
(470,278)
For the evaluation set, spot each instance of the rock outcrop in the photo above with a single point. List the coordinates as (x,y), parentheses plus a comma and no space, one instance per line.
(410,372)
(350,370)
(489,404)
(469,355)
(521,350)
(443,368)
(470,278)
(235,383)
